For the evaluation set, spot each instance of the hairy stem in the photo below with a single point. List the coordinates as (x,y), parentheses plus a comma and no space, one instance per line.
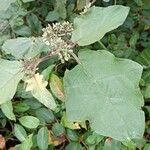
(102,45)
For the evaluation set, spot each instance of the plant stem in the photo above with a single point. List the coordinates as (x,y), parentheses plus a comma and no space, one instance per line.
(75,57)
(102,45)
(43,59)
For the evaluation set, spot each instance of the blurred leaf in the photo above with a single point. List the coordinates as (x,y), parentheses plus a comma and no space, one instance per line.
(23,31)
(94,138)
(111,144)
(74,146)
(52,16)
(22,93)
(34,23)
(29,122)
(11,72)
(60,7)
(72,135)
(66,123)
(20,132)
(7,109)
(4,4)
(147,91)
(33,103)
(47,71)
(146,4)
(139,143)
(59,11)
(139,2)
(43,114)
(24,47)
(42,138)
(130,144)
(58,129)
(133,39)
(21,107)
(147,147)
(144,57)
(27,144)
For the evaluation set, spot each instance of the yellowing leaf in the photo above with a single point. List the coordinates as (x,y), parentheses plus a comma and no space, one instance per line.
(66,123)
(55,140)
(57,87)
(37,86)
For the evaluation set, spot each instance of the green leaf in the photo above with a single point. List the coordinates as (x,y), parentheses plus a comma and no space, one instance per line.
(42,138)
(11,72)
(7,109)
(4,4)
(68,124)
(147,147)
(60,7)
(111,144)
(105,90)
(21,107)
(74,146)
(57,87)
(59,11)
(133,39)
(147,91)
(52,16)
(24,47)
(29,122)
(23,31)
(72,135)
(146,4)
(138,2)
(58,129)
(33,103)
(93,25)
(27,144)
(43,114)
(26,1)
(144,57)
(34,23)
(130,144)
(47,71)
(94,138)
(20,132)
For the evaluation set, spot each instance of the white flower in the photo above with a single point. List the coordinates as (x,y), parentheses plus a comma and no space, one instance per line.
(53,37)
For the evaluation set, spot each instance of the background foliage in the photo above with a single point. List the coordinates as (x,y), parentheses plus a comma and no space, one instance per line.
(27,124)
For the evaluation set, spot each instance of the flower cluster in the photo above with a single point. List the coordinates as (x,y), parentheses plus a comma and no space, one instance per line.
(57,37)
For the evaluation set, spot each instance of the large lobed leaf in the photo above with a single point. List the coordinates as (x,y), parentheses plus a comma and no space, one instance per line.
(11,72)
(93,25)
(104,90)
